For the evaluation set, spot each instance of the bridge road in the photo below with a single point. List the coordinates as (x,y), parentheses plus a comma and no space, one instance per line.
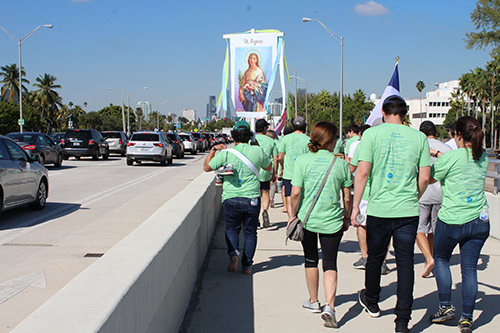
(92,205)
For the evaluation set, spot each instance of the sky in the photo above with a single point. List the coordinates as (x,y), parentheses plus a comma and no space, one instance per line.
(176,48)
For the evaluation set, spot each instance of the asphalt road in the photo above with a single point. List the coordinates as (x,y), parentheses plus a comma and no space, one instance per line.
(92,205)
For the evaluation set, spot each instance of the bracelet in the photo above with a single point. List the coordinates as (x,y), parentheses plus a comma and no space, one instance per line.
(214,149)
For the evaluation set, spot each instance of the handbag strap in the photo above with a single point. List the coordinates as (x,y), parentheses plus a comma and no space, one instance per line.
(319,191)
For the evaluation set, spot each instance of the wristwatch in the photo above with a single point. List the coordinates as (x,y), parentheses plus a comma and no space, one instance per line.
(214,149)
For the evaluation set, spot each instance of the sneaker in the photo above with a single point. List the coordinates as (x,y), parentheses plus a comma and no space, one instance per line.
(465,325)
(443,313)
(373,310)
(402,329)
(328,315)
(233,264)
(361,263)
(313,307)
(385,269)
(219,180)
(227,170)
(246,270)
(265,217)
(271,203)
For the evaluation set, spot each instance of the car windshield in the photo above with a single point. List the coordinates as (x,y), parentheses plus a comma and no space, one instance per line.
(111,135)
(22,137)
(145,137)
(78,134)
(185,137)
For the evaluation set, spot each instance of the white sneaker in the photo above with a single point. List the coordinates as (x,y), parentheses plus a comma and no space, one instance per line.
(313,307)
(328,315)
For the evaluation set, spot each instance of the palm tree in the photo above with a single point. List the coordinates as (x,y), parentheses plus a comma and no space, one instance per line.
(48,99)
(10,88)
(420,86)
(467,85)
(481,79)
(493,68)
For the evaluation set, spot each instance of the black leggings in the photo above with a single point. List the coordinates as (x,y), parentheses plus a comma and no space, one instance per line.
(329,249)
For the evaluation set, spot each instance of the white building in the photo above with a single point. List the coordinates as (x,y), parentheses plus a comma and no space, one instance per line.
(189,114)
(146,108)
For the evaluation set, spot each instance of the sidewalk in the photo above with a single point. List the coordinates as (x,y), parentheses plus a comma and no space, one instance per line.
(270,300)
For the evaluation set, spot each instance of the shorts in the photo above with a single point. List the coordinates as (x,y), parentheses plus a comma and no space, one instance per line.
(428,218)
(265,186)
(287,183)
(363,205)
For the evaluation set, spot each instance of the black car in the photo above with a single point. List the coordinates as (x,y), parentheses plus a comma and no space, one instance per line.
(57,137)
(41,144)
(200,139)
(209,139)
(176,142)
(84,142)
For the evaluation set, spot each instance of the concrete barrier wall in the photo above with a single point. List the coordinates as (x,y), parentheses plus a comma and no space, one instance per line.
(494,203)
(144,283)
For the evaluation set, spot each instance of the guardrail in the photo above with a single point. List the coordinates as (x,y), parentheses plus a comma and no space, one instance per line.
(495,175)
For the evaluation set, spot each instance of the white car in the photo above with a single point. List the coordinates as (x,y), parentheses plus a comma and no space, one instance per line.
(190,143)
(149,146)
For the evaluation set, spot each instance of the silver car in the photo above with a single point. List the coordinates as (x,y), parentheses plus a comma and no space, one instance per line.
(117,141)
(149,146)
(22,179)
(190,143)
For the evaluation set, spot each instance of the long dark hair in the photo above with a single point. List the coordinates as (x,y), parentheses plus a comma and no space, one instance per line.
(470,130)
(322,135)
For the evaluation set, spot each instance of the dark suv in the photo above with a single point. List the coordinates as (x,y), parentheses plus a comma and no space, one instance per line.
(84,142)
(176,142)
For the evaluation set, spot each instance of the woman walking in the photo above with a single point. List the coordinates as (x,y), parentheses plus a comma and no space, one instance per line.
(325,218)
(463,218)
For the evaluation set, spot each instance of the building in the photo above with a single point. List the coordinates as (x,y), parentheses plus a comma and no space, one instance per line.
(211,107)
(146,108)
(189,114)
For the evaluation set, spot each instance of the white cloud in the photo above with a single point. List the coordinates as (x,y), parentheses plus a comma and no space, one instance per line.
(371,8)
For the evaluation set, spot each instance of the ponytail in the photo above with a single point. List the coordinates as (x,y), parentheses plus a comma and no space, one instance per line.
(471,132)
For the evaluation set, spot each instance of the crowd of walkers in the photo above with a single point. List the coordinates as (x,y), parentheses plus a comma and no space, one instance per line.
(408,188)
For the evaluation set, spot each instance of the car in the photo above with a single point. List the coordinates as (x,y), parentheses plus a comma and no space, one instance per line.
(117,141)
(149,146)
(41,144)
(84,142)
(22,179)
(57,137)
(190,143)
(177,143)
(202,142)
(209,139)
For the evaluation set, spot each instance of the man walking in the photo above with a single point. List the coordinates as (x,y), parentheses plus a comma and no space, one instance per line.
(241,193)
(352,133)
(270,148)
(292,146)
(391,154)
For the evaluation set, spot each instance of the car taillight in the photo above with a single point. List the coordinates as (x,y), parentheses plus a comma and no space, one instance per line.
(120,142)
(158,144)
(200,140)
(176,141)
(62,140)
(91,142)
(190,140)
(29,147)
(130,144)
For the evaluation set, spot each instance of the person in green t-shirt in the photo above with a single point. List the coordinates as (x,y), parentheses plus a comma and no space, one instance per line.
(270,148)
(292,146)
(241,193)
(463,218)
(325,220)
(339,147)
(352,132)
(390,155)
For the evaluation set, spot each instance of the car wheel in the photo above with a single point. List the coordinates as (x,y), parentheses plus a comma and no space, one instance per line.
(59,161)
(163,161)
(65,157)
(95,155)
(138,162)
(170,160)
(77,157)
(41,196)
(124,152)
(130,161)
(194,152)
(41,161)
(106,155)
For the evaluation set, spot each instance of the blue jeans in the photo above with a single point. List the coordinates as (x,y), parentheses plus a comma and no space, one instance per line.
(378,235)
(238,212)
(471,237)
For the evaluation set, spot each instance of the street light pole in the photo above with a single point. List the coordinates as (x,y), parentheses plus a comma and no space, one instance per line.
(305,81)
(295,75)
(128,105)
(339,40)
(20,42)
(158,116)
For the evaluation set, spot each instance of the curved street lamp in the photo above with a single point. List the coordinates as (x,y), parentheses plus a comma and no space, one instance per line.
(128,105)
(339,40)
(20,42)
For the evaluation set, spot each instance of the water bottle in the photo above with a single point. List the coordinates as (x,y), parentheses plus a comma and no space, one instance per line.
(485,214)
(280,183)
(360,218)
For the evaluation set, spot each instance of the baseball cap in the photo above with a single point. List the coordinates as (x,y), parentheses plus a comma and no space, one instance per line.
(298,121)
(241,125)
(261,123)
(393,99)
(428,125)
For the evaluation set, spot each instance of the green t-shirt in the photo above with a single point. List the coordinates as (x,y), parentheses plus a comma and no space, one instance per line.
(310,170)
(395,152)
(355,162)
(244,183)
(349,142)
(339,147)
(462,182)
(270,148)
(292,145)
